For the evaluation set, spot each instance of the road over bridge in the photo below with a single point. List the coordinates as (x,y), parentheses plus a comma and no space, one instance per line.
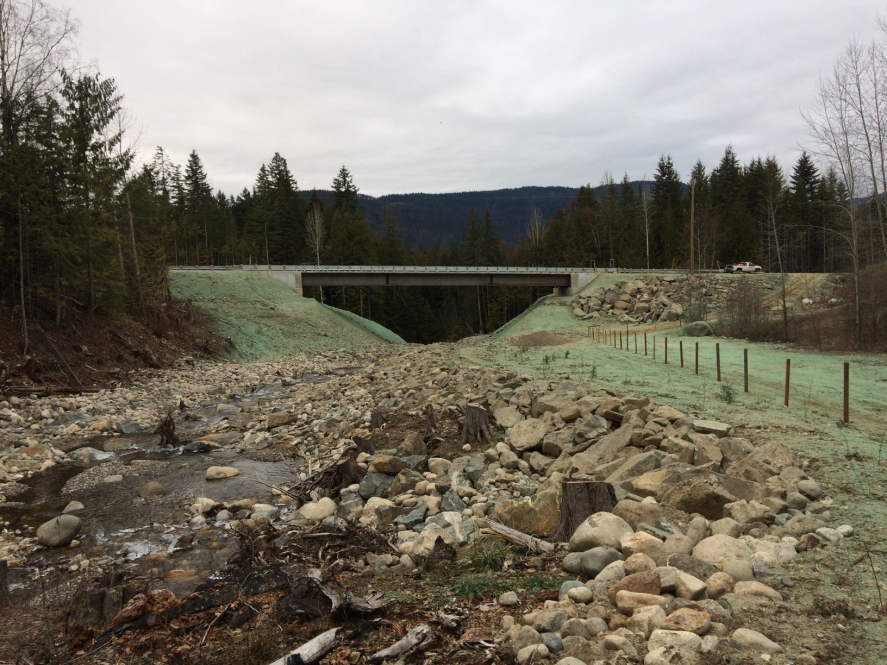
(565,281)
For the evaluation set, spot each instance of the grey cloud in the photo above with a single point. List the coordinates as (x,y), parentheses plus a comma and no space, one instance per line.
(452,96)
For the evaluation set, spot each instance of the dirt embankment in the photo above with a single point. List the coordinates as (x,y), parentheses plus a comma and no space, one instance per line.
(88,353)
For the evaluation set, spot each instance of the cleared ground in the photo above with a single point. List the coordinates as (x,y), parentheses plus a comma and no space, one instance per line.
(265,319)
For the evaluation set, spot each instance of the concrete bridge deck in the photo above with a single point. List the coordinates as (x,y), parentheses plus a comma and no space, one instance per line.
(566,281)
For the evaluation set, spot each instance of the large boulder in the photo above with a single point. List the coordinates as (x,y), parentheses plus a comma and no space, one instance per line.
(600,530)
(636,465)
(527,435)
(713,427)
(636,513)
(745,512)
(508,417)
(705,495)
(698,329)
(388,464)
(720,548)
(537,516)
(375,484)
(773,454)
(593,561)
(735,448)
(58,531)
(221,472)
(606,450)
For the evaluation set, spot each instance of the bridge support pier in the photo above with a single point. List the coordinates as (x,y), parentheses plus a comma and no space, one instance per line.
(578,281)
(291,278)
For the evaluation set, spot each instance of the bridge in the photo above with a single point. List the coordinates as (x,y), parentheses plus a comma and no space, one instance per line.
(564,281)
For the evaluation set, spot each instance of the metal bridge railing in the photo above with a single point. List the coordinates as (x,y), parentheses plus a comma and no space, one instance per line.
(442,269)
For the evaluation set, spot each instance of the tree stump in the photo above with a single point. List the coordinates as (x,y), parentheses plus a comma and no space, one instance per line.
(4,583)
(579,499)
(477,426)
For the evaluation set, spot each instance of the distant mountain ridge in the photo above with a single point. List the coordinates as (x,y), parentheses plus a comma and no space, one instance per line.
(429,219)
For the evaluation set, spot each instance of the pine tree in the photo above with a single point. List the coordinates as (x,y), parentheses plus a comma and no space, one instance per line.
(197,197)
(492,252)
(669,247)
(728,192)
(471,249)
(344,191)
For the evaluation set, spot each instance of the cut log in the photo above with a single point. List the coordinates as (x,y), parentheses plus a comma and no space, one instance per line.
(410,641)
(312,651)
(579,499)
(516,537)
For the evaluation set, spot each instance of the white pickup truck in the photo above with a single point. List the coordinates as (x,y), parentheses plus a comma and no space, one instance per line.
(744,266)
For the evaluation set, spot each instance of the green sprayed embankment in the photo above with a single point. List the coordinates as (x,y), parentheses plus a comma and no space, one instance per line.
(265,319)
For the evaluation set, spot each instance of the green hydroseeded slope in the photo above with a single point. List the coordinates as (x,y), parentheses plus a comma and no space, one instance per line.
(265,319)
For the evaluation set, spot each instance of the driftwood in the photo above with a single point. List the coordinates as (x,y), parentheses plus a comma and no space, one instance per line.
(477,426)
(410,641)
(579,499)
(516,537)
(312,651)
(167,431)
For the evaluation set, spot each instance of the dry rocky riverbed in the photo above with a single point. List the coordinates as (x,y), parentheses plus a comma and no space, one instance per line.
(335,491)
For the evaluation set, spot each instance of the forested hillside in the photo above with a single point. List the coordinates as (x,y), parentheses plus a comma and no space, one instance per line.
(88,230)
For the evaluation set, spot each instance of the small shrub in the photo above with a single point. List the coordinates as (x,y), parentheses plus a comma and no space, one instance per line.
(728,392)
(477,586)
(487,556)
(536,583)
(566,354)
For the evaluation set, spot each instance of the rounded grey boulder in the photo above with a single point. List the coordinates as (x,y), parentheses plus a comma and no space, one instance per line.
(596,559)
(58,531)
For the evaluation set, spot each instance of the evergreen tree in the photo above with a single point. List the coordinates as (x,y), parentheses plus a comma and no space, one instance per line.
(344,191)
(669,247)
(197,200)
(738,232)
(472,250)
(491,246)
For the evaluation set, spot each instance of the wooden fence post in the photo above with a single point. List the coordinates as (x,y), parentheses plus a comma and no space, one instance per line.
(654,347)
(718,358)
(666,350)
(846,393)
(697,357)
(620,339)
(681,347)
(645,343)
(635,343)
(788,372)
(745,363)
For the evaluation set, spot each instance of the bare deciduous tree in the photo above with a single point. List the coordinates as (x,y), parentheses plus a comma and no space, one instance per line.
(647,209)
(315,234)
(536,236)
(834,132)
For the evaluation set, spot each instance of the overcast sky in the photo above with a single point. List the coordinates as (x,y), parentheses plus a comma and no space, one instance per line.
(453,96)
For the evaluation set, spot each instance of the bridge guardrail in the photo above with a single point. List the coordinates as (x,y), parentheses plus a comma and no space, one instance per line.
(443,269)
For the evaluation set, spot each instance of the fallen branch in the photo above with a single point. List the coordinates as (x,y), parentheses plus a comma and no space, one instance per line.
(312,651)
(411,640)
(516,537)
